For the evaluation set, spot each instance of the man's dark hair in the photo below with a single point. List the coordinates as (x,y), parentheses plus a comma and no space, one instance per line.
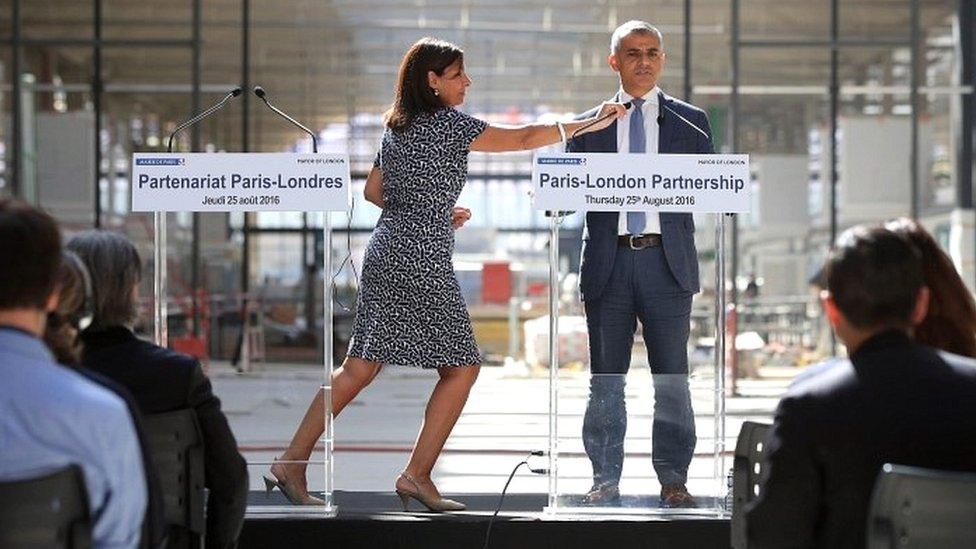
(30,253)
(874,276)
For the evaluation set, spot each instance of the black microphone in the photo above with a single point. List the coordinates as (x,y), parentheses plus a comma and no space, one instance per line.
(627,106)
(259,91)
(217,106)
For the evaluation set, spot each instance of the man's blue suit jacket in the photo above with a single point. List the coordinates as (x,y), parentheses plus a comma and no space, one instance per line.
(675,136)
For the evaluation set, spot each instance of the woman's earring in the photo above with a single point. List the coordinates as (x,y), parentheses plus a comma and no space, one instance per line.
(436,92)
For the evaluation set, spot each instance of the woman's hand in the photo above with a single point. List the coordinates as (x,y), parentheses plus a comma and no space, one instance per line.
(374,187)
(459,216)
(611,111)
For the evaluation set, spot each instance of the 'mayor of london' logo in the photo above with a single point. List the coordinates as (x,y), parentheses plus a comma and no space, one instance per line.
(569,161)
(160,161)
(320,160)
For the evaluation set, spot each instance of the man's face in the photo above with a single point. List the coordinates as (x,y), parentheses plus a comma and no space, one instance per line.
(639,61)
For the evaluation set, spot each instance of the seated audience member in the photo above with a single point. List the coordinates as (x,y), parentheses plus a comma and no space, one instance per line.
(61,336)
(69,317)
(50,416)
(894,401)
(159,379)
(950,323)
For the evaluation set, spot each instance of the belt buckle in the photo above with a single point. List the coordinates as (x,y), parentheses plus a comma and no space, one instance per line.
(630,242)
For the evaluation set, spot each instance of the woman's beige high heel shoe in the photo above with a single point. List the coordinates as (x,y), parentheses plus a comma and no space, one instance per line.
(294,494)
(411,489)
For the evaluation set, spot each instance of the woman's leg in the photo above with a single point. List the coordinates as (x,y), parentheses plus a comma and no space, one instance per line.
(443,410)
(347,381)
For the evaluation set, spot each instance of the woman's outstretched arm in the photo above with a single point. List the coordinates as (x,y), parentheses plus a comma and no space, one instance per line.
(532,136)
(374,187)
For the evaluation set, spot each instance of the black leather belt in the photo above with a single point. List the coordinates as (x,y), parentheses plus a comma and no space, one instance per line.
(639,241)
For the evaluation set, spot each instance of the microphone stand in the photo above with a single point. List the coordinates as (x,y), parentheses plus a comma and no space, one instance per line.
(259,91)
(327,313)
(193,120)
(160,313)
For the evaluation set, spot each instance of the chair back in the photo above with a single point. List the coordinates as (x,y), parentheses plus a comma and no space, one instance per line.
(746,468)
(916,508)
(176,447)
(46,512)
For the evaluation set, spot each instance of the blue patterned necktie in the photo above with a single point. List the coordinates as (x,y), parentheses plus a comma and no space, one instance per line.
(638,144)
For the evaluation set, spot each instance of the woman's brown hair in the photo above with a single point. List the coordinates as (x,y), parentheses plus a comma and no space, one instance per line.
(950,324)
(414,95)
(61,332)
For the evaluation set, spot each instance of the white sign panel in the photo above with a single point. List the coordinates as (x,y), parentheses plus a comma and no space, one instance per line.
(240,182)
(710,183)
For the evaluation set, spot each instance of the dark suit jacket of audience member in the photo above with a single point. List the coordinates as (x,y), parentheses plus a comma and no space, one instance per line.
(162,381)
(894,402)
(154,527)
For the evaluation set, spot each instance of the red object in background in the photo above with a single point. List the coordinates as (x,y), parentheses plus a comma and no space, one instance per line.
(196,346)
(190,345)
(496,283)
(537,289)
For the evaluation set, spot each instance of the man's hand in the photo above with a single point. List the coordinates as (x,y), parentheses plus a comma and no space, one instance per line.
(460,216)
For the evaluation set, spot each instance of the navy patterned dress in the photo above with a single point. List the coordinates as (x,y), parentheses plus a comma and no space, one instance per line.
(410,311)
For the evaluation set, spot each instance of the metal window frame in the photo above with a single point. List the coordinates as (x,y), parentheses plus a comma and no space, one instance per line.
(964,153)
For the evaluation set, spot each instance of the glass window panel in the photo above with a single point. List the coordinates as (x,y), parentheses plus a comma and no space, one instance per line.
(872,71)
(874,135)
(710,39)
(57,162)
(136,122)
(792,20)
(220,49)
(875,19)
(59,66)
(161,67)
(147,19)
(873,158)
(940,38)
(937,153)
(783,119)
(784,70)
(6,18)
(63,19)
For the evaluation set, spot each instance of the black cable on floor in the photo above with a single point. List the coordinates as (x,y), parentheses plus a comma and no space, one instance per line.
(501,499)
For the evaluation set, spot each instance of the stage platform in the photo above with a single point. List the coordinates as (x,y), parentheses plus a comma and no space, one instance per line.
(373,520)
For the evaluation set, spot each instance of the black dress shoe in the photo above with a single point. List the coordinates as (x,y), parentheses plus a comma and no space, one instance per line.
(602,495)
(676,496)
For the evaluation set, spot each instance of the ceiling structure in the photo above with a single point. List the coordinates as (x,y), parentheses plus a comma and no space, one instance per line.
(329,61)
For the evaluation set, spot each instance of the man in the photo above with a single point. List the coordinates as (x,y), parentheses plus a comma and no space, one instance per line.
(894,401)
(643,266)
(51,416)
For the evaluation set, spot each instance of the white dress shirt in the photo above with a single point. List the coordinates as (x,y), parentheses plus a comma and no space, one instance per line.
(650,111)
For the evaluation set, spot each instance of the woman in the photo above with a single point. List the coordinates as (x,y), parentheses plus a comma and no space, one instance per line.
(410,311)
(72,315)
(950,324)
(159,379)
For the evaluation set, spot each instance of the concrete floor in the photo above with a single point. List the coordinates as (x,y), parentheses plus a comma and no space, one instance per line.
(505,419)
